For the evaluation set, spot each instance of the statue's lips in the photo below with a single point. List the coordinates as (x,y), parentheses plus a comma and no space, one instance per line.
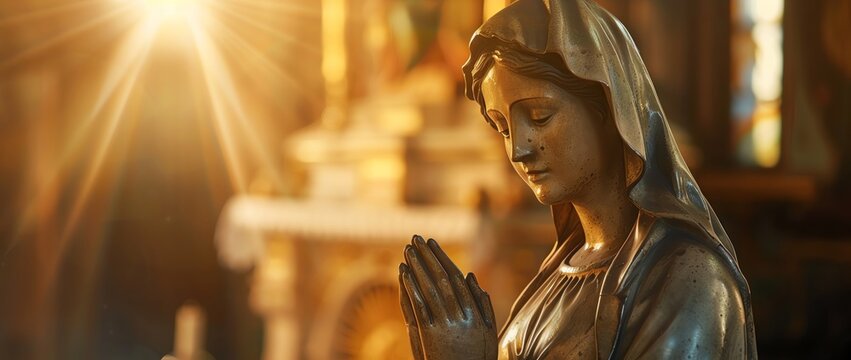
(536,174)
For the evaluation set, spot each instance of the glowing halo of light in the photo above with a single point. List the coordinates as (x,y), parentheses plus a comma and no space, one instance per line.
(82,163)
(167,10)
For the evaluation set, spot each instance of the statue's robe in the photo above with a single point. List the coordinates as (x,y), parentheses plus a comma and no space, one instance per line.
(679,299)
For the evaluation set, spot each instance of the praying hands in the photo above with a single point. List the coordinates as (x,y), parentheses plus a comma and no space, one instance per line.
(448,316)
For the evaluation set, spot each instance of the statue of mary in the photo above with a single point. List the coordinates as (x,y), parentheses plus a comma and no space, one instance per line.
(641,267)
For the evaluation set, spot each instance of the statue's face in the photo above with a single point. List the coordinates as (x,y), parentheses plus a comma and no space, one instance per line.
(556,143)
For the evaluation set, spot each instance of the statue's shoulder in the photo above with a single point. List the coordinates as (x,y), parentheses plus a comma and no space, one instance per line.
(680,265)
(682,298)
(672,245)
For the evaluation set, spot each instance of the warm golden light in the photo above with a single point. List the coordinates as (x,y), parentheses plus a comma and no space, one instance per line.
(155,66)
(169,9)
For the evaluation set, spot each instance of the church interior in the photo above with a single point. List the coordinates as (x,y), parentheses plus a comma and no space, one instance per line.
(236,179)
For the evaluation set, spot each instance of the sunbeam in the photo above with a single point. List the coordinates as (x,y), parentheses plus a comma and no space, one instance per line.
(209,60)
(135,122)
(46,13)
(288,7)
(132,47)
(221,81)
(59,39)
(221,44)
(230,118)
(142,46)
(227,108)
(230,38)
(267,29)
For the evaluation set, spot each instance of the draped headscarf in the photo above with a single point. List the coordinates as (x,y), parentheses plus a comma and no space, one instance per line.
(595,46)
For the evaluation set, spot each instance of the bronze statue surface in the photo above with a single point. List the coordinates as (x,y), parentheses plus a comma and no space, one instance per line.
(641,268)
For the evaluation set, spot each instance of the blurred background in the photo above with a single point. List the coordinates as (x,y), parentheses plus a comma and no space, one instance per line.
(236,179)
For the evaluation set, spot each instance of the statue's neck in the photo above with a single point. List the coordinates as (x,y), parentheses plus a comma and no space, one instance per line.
(607,215)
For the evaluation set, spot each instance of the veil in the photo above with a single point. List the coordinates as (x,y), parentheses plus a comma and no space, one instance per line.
(595,46)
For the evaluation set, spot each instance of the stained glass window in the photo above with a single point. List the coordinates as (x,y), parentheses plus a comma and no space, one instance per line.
(757,70)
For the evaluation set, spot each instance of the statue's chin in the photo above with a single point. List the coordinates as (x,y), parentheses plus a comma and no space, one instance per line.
(548,194)
(546,197)
(544,201)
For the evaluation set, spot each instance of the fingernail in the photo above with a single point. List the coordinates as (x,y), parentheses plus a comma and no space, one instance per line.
(419,240)
(414,237)
(401,268)
(433,243)
(473,277)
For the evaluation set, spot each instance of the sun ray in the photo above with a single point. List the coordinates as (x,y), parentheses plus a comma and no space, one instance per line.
(290,7)
(59,39)
(233,124)
(219,81)
(129,52)
(224,133)
(132,48)
(47,12)
(90,142)
(234,39)
(229,37)
(289,39)
(253,140)
(143,45)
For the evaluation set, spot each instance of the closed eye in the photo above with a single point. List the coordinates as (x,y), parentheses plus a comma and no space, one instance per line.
(542,119)
(538,110)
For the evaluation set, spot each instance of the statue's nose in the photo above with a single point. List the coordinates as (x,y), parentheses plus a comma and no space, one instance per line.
(521,151)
